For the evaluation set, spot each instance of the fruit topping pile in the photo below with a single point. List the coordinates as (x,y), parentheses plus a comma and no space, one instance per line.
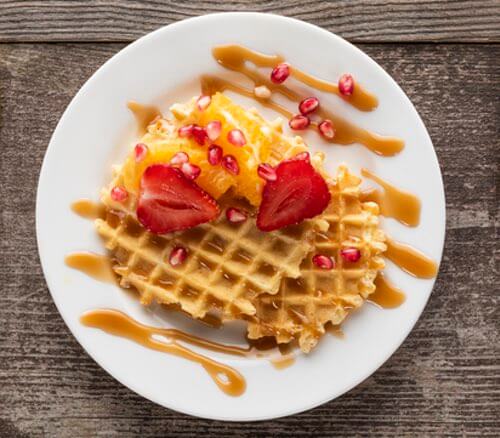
(170,200)
(215,142)
(177,172)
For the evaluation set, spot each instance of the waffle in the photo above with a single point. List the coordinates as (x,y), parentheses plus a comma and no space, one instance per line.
(305,304)
(226,262)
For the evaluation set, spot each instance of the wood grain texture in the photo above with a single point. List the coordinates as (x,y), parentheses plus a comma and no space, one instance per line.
(356,20)
(445,378)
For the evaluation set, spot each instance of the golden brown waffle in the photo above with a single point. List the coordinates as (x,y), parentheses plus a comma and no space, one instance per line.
(304,305)
(225,261)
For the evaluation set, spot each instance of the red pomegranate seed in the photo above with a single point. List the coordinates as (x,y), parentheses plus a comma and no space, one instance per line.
(236,137)
(299,122)
(213,130)
(230,164)
(350,254)
(214,154)
(191,171)
(327,129)
(235,216)
(280,73)
(179,158)
(186,131)
(323,261)
(266,172)
(140,151)
(177,256)
(119,194)
(203,102)
(303,156)
(200,135)
(346,85)
(308,105)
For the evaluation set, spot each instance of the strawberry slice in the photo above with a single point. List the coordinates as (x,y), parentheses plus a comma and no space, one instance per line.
(168,201)
(298,193)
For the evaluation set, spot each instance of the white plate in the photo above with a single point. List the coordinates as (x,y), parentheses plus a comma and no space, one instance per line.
(97,130)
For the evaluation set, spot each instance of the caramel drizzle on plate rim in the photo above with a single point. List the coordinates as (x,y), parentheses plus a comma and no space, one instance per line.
(234,57)
(143,114)
(393,202)
(116,323)
(409,259)
(386,295)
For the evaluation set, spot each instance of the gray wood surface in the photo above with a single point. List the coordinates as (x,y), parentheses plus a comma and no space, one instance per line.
(443,381)
(356,20)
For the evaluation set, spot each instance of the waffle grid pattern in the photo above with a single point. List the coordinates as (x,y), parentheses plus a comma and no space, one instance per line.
(226,262)
(304,305)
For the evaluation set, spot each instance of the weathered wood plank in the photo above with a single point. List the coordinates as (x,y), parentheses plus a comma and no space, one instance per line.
(444,380)
(356,20)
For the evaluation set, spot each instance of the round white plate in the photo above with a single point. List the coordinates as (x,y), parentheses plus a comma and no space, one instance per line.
(97,130)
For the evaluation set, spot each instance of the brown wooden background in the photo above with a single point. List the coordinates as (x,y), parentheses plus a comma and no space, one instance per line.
(445,378)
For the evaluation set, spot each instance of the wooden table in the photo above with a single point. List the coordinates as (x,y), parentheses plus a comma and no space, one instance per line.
(444,380)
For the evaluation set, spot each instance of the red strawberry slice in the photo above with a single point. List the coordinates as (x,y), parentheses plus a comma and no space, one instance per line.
(168,201)
(298,193)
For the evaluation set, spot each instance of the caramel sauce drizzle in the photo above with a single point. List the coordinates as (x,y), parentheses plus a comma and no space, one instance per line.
(89,209)
(410,260)
(393,202)
(96,266)
(117,323)
(386,295)
(143,114)
(283,362)
(233,57)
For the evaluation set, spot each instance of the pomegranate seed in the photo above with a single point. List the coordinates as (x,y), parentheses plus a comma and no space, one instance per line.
(280,73)
(299,122)
(346,85)
(203,102)
(235,216)
(351,254)
(213,130)
(191,171)
(179,158)
(308,105)
(177,256)
(214,154)
(323,261)
(262,92)
(266,172)
(140,151)
(327,129)
(230,164)
(236,137)
(119,194)
(186,131)
(200,135)
(304,156)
